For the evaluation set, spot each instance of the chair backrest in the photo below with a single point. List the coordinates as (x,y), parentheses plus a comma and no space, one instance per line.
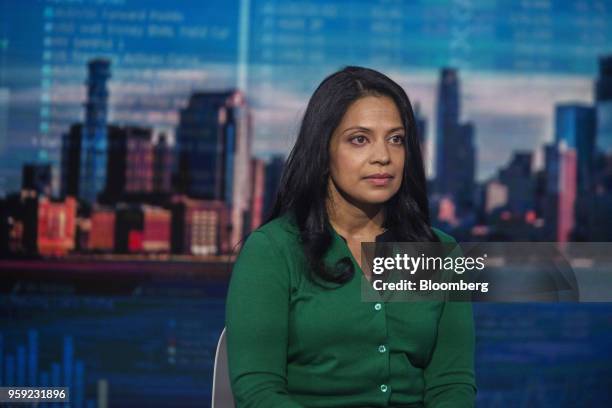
(222,396)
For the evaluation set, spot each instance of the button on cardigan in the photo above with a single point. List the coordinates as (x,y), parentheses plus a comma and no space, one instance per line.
(294,344)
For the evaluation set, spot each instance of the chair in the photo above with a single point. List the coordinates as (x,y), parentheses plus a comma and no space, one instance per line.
(222,396)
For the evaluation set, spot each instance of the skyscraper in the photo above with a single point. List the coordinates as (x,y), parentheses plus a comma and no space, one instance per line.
(455,150)
(130,162)
(463,168)
(447,118)
(518,179)
(603,100)
(92,177)
(162,165)
(71,161)
(575,124)
(214,150)
(560,167)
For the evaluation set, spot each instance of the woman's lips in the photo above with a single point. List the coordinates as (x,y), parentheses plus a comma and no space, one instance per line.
(379,181)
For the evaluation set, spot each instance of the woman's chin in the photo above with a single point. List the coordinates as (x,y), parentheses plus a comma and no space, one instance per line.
(377,198)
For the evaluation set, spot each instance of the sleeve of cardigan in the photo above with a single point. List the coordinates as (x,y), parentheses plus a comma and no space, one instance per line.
(449,376)
(256,319)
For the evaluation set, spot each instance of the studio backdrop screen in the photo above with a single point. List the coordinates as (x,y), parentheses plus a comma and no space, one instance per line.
(141,141)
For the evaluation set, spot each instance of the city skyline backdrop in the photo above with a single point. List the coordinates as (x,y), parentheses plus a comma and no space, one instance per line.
(277,53)
(179,111)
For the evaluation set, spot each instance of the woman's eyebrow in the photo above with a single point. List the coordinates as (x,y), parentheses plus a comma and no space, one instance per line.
(365,129)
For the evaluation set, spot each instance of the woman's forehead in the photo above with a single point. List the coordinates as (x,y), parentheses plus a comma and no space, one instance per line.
(372,111)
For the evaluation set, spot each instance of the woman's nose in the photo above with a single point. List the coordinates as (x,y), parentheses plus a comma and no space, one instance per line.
(380,152)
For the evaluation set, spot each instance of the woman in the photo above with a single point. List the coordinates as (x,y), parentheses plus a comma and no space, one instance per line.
(298,333)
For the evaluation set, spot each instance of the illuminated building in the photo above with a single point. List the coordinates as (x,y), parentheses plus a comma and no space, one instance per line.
(214,151)
(130,162)
(455,149)
(56,226)
(93,154)
(561,165)
(200,227)
(102,232)
(156,229)
(162,165)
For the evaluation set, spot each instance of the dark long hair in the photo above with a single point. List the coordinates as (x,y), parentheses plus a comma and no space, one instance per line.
(303,184)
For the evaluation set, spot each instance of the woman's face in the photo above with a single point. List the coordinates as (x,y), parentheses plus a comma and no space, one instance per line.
(368,142)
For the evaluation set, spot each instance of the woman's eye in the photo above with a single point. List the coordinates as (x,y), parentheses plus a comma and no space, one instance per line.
(397,139)
(358,139)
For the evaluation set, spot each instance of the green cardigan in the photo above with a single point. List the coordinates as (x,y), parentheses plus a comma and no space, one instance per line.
(293,344)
